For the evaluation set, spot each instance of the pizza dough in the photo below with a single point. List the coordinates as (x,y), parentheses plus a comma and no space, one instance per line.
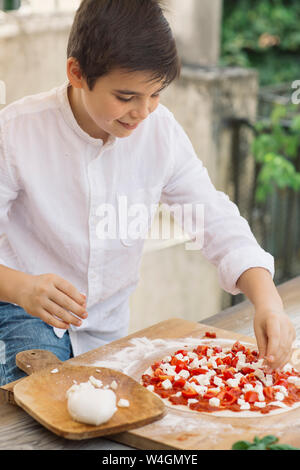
(170,379)
(91,405)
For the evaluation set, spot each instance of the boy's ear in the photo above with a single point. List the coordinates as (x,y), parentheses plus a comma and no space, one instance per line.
(74,73)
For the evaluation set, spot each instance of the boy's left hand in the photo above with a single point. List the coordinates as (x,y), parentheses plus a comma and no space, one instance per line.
(275,335)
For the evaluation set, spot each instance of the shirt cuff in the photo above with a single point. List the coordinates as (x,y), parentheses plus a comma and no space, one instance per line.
(238,261)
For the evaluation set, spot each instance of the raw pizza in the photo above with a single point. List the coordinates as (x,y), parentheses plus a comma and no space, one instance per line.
(231,380)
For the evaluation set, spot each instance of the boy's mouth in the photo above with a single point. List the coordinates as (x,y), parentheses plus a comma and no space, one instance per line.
(128,126)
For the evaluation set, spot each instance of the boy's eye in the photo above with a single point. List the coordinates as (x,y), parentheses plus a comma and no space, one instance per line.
(125,100)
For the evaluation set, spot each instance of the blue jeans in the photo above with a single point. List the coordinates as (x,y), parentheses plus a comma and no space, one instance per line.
(20,331)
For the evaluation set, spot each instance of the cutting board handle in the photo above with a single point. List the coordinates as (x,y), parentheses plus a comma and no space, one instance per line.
(29,361)
(33,360)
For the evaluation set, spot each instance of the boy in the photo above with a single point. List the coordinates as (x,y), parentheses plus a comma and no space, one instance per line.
(102,135)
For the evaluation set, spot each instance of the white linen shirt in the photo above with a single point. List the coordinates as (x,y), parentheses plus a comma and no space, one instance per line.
(54,176)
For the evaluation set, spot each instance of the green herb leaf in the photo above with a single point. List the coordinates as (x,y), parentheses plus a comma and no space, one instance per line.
(241,445)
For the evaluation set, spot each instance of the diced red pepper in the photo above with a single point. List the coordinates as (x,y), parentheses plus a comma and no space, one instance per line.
(209,334)
(166,377)
(201,350)
(238,347)
(180,365)
(283,382)
(181,351)
(247,370)
(228,374)
(155,365)
(198,371)
(250,358)
(243,381)
(210,394)
(227,360)
(268,393)
(251,396)
(234,361)
(228,398)
(189,393)
(179,383)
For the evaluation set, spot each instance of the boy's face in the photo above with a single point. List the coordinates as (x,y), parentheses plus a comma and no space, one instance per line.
(118,103)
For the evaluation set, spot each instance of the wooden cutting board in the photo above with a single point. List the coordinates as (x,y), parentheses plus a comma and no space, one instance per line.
(181,429)
(43,396)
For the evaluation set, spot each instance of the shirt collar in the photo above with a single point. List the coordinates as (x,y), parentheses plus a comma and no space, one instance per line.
(62,94)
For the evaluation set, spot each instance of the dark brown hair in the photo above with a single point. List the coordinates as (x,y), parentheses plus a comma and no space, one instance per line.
(129,34)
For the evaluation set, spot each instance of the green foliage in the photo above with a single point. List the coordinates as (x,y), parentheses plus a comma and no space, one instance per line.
(262,35)
(266,443)
(275,149)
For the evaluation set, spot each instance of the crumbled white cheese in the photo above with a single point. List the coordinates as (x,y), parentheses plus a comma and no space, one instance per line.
(238,376)
(233,382)
(218,381)
(268,380)
(245,406)
(179,356)
(192,400)
(123,403)
(240,364)
(294,380)
(114,385)
(200,389)
(202,379)
(280,404)
(215,402)
(194,364)
(213,363)
(184,373)
(96,382)
(167,384)
(281,389)
(210,372)
(279,396)
(260,404)
(150,388)
(168,369)
(192,355)
(288,368)
(241,356)
(167,359)
(260,390)
(259,374)
(248,387)
(209,352)
(202,361)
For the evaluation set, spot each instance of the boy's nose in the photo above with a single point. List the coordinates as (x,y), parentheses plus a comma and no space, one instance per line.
(141,112)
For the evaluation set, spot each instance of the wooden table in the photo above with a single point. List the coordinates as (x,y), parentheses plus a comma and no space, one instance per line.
(19,431)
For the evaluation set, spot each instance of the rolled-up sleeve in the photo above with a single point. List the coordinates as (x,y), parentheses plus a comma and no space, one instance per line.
(228,242)
(8,186)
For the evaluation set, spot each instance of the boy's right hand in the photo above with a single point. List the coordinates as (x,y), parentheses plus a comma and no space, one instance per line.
(53,299)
